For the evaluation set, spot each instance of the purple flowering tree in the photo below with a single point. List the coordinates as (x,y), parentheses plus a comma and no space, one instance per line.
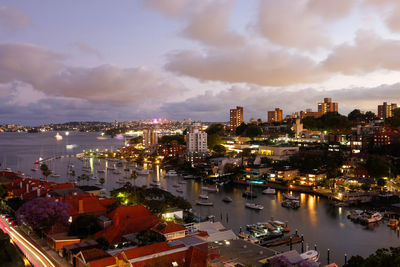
(43,212)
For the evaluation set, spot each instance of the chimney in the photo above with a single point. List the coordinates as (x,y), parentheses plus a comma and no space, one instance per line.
(27,188)
(80,210)
(38,192)
(20,184)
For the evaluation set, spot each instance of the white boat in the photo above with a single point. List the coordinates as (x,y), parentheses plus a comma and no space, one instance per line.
(58,136)
(369,217)
(311,255)
(291,197)
(203,196)
(355,215)
(289,203)
(254,206)
(171,173)
(204,203)
(155,183)
(269,191)
(210,188)
(55,175)
(227,199)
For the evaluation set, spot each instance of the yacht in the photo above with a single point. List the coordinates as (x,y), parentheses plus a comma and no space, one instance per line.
(355,215)
(269,191)
(203,196)
(290,197)
(254,206)
(55,175)
(371,217)
(204,203)
(227,199)
(294,204)
(210,188)
(311,255)
(58,136)
(171,173)
(101,171)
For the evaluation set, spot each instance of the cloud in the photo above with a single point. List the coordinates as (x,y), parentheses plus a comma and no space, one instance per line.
(251,64)
(171,8)
(369,52)
(87,49)
(331,10)
(12,19)
(290,23)
(390,12)
(47,73)
(210,25)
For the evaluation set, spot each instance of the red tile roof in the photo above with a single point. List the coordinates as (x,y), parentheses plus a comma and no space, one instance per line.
(29,187)
(94,254)
(147,250)
(127,220)
(169,227)
(109,261)
(86,204)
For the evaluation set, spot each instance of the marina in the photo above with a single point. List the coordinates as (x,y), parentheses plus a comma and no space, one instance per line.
(228,203)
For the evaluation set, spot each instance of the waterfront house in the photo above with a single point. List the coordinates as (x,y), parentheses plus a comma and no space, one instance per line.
(285,174)
(170,230)
(278,152)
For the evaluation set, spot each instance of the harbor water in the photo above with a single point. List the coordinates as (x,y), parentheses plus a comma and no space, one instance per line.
(320,223)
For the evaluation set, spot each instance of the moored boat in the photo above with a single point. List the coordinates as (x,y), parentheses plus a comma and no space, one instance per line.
(204,203)
(310,255)
(294,204)
(171,173)
(290,197)
(203,196)
(254,206)
(269,191)
(227,199)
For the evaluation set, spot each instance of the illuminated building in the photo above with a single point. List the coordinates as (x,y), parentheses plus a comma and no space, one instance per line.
(298,128)
(235,118)
(327,106)
(150,138)
(196,143)
(275,115)
(386,111)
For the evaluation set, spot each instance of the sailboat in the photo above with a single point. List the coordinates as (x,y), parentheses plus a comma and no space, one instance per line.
(203,195)
(252,205)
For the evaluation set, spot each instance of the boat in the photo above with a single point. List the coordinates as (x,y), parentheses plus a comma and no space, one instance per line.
(120,181)
(294,204)
(249,194)
(187,177)
(127,169)
(33,169)
(110,168)
(58,136)
(155,183)
(204,203)
(116,172)
(254,206)
(171,173)
(393,223)
(203,196)
(355,215)
(143,172)
(269,191)
(227,199)
(310,255)
(371,217)
(175,185)
(290,197)
(179,190)
(101,171)
(210,188)
(55,175)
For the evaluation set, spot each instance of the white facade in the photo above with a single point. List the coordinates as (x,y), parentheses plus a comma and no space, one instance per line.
(196,142)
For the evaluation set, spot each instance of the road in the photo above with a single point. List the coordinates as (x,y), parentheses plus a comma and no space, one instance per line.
(32,253)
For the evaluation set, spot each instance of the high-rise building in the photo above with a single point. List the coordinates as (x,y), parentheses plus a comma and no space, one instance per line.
(150,138)
(196,141)
(275,115)
(386,111)
(327,106)
(235,118)
(298,128)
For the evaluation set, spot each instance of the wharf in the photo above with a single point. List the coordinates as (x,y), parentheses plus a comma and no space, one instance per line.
(286,240)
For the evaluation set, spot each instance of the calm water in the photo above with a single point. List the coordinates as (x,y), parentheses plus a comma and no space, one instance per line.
(319,222)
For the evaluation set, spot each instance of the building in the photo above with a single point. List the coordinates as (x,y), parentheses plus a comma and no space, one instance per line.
(309,113)
(297,128)
(235,118)
(282,174)
(196,143)
(327,106)
(386,111)
(150,138)
(170,230)
(170,150)
(279,152)
(275,115)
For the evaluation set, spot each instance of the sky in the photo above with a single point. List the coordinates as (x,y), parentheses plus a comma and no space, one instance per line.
(139,59)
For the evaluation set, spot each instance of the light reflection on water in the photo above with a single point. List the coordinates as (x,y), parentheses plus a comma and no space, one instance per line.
(319,222)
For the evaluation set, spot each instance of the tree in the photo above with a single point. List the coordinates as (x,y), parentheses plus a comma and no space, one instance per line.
(241,129)
(355,115)
(219,149)
(43,212)
(394,121)
(216,128)
(148,237)
(172,139)
(83,226)
(253,130)
(366,187)
(378,167)
(382,257)
(45,170)
(213,140)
